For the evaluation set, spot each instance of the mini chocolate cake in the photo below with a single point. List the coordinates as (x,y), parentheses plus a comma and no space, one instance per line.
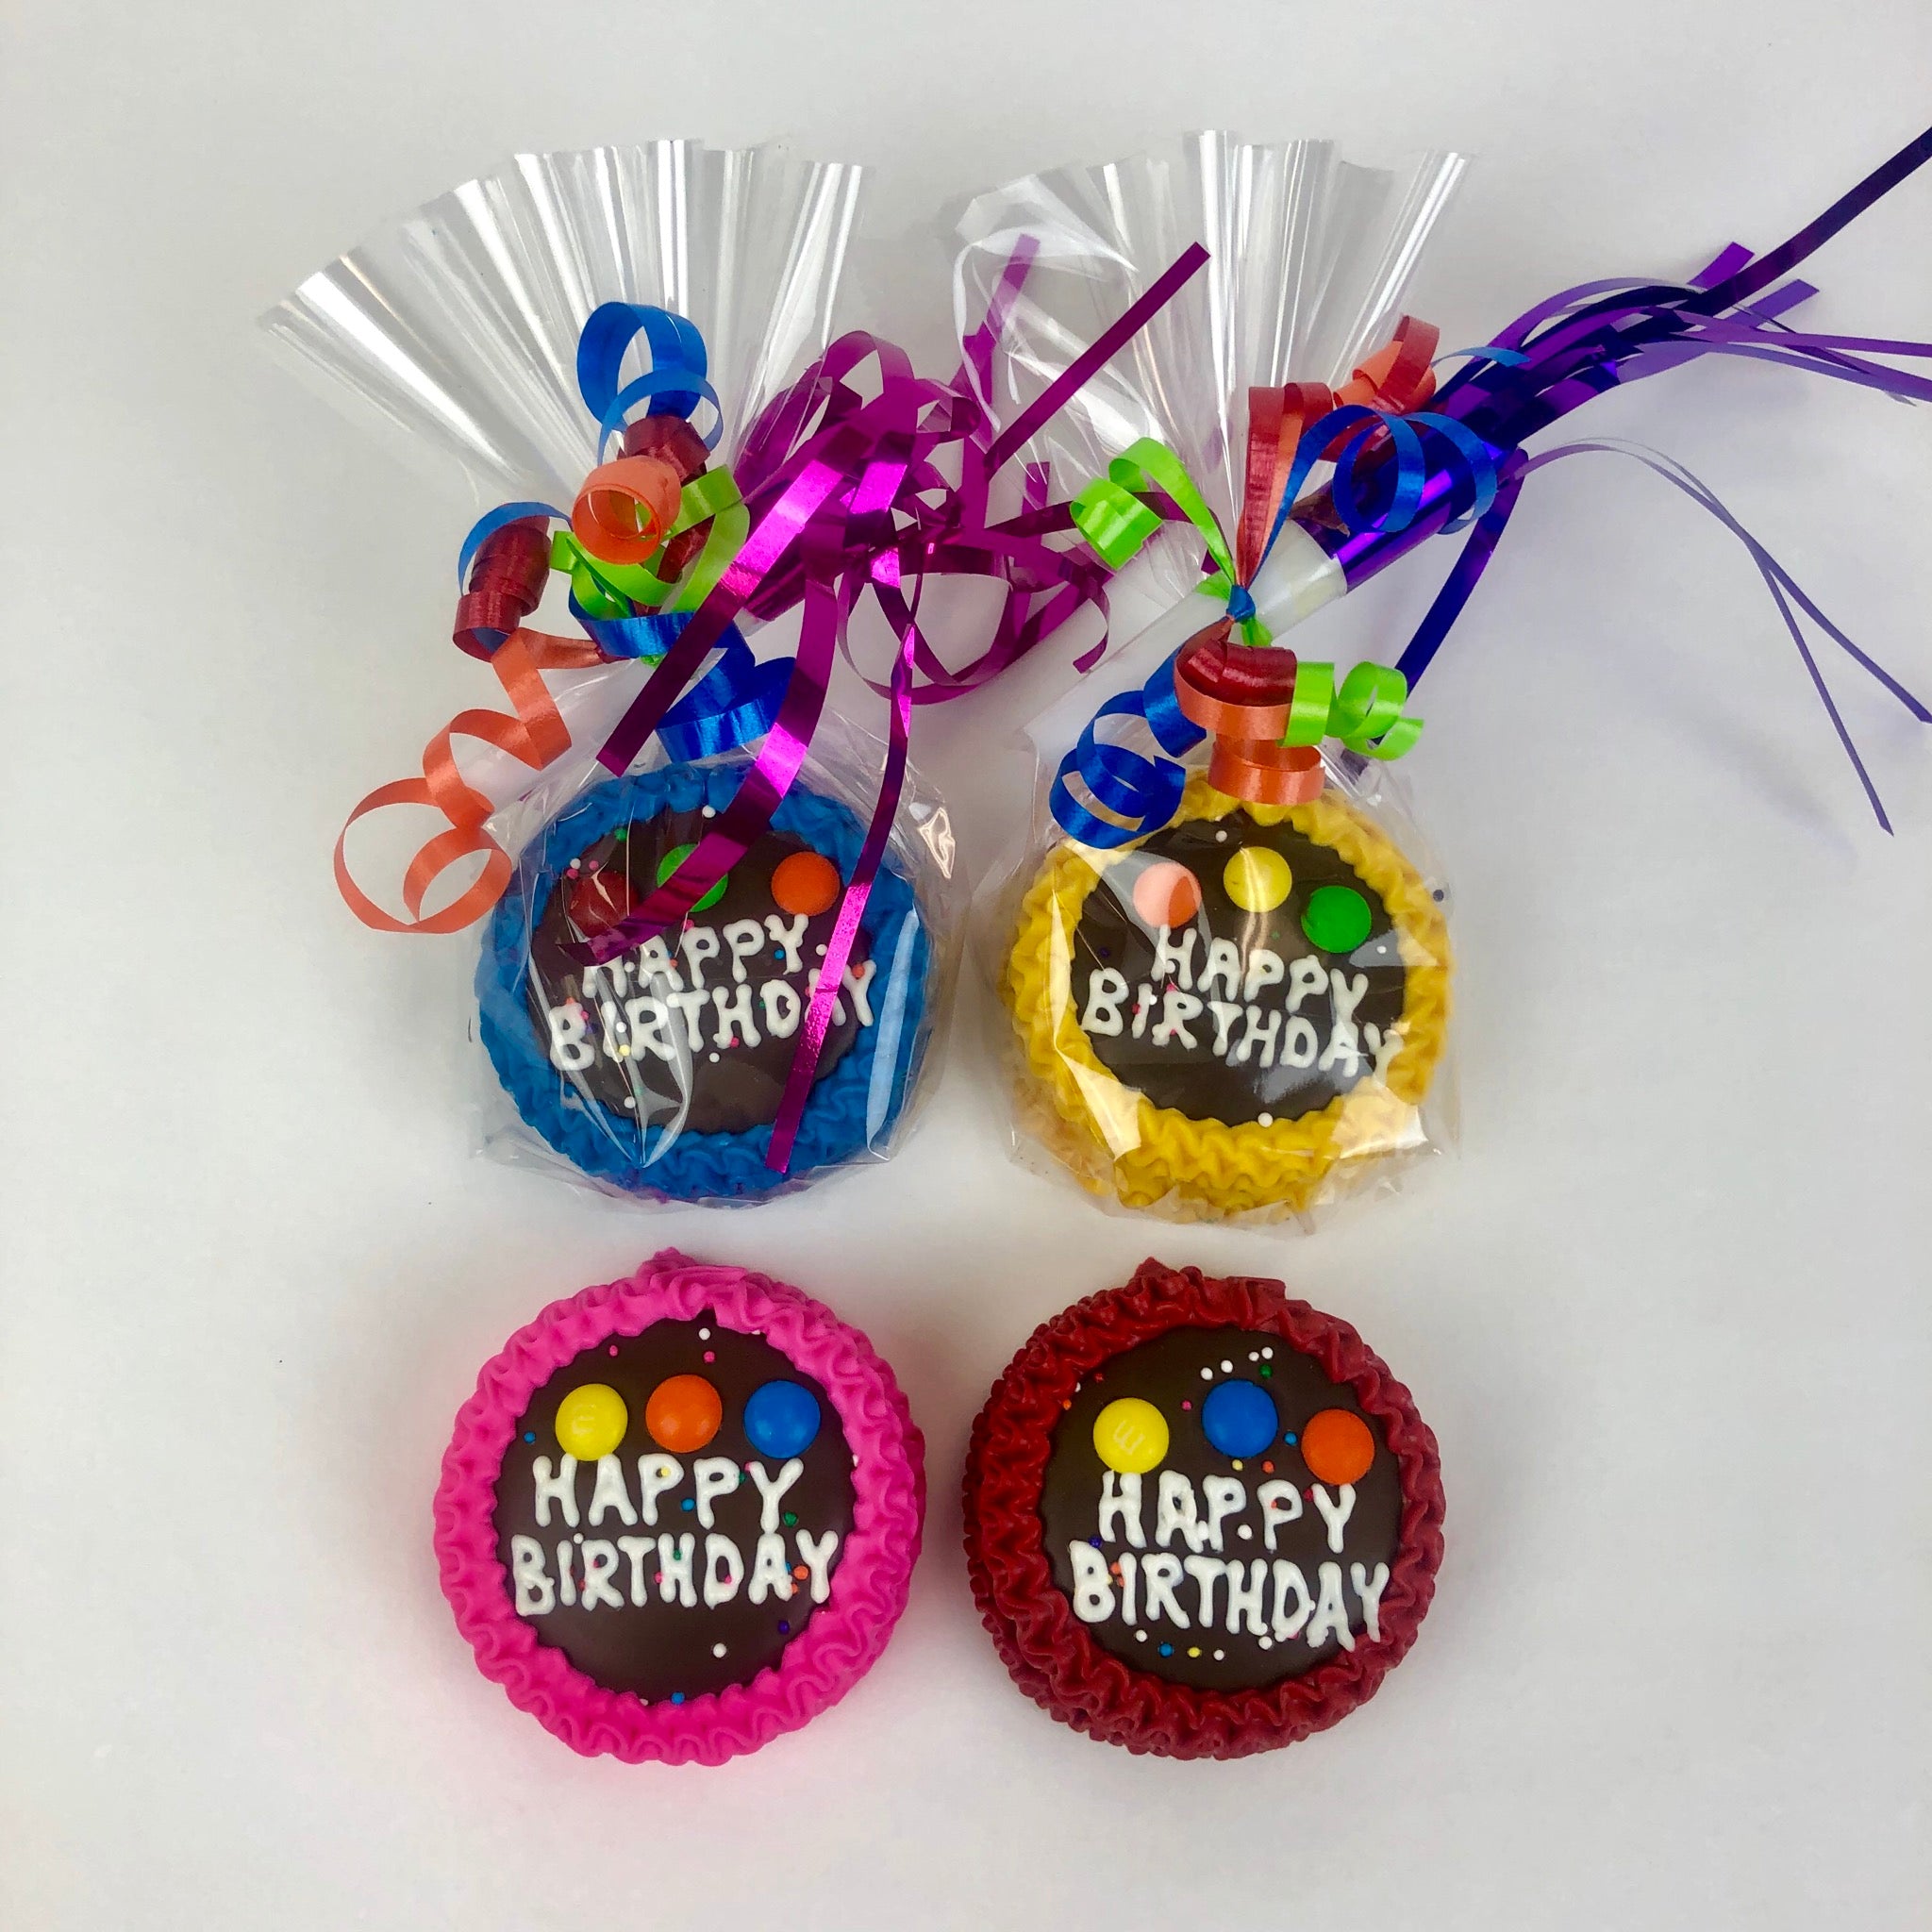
(680,1513)
(1239,1014)
(661,1071)
(1200,1519)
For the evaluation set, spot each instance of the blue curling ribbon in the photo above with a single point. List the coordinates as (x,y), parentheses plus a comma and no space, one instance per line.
(1145,792)
(732,704)
(492,521)
(678,349)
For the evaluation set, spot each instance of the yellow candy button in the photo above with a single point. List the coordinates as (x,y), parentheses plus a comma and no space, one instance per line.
(590,1422)
(1130,1436)
(1257,879)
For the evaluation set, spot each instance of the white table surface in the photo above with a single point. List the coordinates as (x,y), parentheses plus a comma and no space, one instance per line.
(1667,1312)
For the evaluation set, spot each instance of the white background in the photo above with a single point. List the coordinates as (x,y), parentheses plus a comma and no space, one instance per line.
(1667,1312)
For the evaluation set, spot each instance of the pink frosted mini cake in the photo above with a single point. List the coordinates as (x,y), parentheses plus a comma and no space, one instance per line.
(681,1512)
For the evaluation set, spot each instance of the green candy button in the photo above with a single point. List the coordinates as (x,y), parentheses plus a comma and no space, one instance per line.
(678,854)
(1338,919)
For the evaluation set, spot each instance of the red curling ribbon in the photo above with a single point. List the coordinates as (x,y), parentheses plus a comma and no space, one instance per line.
(671,440)
(535,735)
(624,509)
(505,584)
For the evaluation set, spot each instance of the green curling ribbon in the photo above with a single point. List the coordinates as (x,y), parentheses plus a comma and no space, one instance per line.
(1365,714)
(1109,513)
(616,589)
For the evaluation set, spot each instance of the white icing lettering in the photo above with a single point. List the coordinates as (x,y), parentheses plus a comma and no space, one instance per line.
(1225,964)
(1257,1034)
(610,1493)
(724,1571)
(600,1565)
(656,966)
(1206,1571)
(1225,1497)
(639,1549)
(1331,1610)
(1160,1574)
(817,1558)
(770,1575)
(656,1473)
(566,1583)
(693,1005)
(745,937)
(1369,1586)
(649,1020)
(1244,1599)
(1306,977)
(733,1017)
(535,1594)
(560,1488)
(1347,994)
(1093,1587)
(1107,990)
(788,936)
(1264,969)
(674,1555)
(782,1009)
(1176,1010)
(1176,1514)
(1280,1503)
(1175,960)
(771,1489)
(1224,1017)
(857,982)
(1143,1002)
(1130,1565)
(1336,1511)
(714,1476)
(1301,1042)
(1121,1505)
(1288,1576)
(571,1050)
(697,943)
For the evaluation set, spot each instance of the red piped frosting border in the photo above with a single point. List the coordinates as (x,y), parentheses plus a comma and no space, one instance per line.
(844,1637)
(1045,1646)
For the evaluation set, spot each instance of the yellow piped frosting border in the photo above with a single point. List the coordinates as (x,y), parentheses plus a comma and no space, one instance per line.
(1117,1141)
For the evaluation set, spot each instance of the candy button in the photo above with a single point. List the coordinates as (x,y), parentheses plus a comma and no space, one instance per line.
(683,1413)
(1338,919)
(599,900)
(806,882)
(590,1422)
(1167,894)
(674,859)
(1238,1418)
(1257,879)
(1338,1446)
(781,1419)
(1130,1436)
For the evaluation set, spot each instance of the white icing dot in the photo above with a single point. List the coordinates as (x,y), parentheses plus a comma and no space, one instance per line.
(1267,1355)
(1207,1375)
(717,1650)
(1140,1637)
(630,1102)
(1264,1120)
(578,1538)
(1246,1532)
(1221,838)
(710,811)
(704,1335)
(1220,1656)
(1267,1644)
(714,1057)
(820,951)
(1227,1368)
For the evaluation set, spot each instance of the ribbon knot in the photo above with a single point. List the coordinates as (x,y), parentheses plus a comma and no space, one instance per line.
(1241,603)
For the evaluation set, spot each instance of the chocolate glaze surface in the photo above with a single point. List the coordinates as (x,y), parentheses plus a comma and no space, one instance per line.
(1167,1371)
(661,1648)
(1197,1080)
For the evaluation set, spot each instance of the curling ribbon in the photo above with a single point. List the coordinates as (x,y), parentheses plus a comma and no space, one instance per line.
(843,495)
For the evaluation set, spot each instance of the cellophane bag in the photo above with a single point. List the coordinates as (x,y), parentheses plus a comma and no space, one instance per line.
(1223,976)
(471,326)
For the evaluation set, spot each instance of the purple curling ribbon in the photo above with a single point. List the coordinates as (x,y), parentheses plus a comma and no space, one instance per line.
(847,497)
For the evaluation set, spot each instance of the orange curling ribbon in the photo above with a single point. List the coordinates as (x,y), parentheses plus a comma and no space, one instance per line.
(534,737)
(1265,774)
(626,508)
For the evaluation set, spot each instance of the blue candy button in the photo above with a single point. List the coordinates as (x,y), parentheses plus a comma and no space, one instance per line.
(781,1419)
(1238,1418)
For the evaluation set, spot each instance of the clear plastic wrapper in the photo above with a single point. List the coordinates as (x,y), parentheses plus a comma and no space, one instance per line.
(1224,969)
(486,328)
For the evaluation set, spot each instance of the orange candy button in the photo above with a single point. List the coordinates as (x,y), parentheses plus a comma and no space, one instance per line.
(683,1413)
(1338,1446)
(806,882)
(1167,894)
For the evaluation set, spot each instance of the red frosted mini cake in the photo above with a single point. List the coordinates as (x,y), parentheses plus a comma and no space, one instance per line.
(1202,1519)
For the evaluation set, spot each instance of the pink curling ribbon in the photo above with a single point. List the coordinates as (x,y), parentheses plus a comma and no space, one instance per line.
(847,497)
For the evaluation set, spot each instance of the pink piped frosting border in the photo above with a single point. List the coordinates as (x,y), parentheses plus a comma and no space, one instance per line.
(843,1637)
